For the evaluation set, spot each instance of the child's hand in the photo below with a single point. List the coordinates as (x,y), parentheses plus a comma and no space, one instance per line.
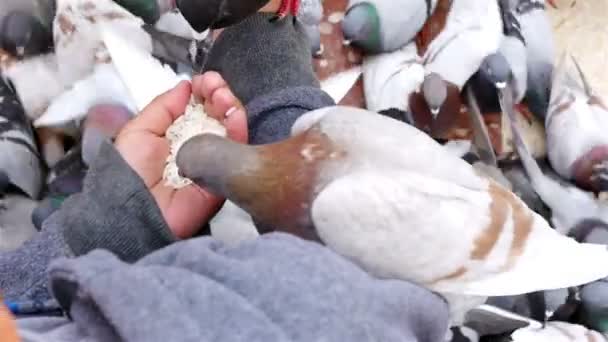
(143,145)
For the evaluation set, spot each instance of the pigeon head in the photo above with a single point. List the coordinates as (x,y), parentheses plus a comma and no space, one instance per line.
(103,122)
(435,92)
(206,158)
(496,69)
(361,27)
(23,35)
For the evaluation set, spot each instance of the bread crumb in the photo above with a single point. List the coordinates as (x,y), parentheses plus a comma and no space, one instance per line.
(194,122)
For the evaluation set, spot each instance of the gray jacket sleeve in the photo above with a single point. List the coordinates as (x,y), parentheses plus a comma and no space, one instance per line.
(268,66)
(274,288)
(115,211)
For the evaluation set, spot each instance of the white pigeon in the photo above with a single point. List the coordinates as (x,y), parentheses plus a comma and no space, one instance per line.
(473,31)
(36,81)
(576,126)
(557,332)
(72,69)
(390,78)
(388,197)
(78,44)
(490,320)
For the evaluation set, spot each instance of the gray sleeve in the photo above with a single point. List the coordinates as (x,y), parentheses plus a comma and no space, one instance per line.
(115,211)
(268,66)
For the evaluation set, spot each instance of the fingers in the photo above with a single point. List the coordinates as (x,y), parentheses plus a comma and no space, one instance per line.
(236,125)
(221,104)
(204,85)
(163,111)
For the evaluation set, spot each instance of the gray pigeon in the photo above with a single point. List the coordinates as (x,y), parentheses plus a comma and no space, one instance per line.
(19,157)
(508,66)
(385,25)
(310,15)
(569,204)
(26,26)
(537,31)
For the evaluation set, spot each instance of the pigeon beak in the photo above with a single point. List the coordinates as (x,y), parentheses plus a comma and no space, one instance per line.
(500,85)
(552,3)
(346,42)
(320,52)
(435,112)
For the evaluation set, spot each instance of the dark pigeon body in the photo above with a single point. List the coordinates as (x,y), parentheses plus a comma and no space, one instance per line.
(217,13)
(23,35)
(23,167)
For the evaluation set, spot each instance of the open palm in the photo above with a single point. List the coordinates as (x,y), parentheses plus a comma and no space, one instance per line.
(144,147)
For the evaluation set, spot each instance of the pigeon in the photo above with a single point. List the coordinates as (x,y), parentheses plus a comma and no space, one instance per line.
(569,205)
(94,78)
(593,297)
(496,324)
(378,26)
(149,10)
(311,15)
(557,332)
(472,32)
(20,162)
(77,64)
(576,125)
(389,78)
(537,31)
(217,14)
(420,214)
(23,35)
(508,66)
(25,26)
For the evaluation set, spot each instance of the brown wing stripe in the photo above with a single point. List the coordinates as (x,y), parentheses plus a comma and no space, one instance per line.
(498,214)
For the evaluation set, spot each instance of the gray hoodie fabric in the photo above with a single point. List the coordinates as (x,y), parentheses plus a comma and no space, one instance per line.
(275,288)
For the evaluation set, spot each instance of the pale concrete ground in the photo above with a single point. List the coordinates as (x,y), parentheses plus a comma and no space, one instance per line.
(581,28)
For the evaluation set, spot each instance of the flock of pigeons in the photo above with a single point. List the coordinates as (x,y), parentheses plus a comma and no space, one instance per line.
(517,249)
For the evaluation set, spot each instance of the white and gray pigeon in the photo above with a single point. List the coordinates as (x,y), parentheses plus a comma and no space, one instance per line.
(20,163)
(576,126)
(385,25)
(472,32)
(490,320)
(537,31)
(80,74)
(344,178)
(569,205)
